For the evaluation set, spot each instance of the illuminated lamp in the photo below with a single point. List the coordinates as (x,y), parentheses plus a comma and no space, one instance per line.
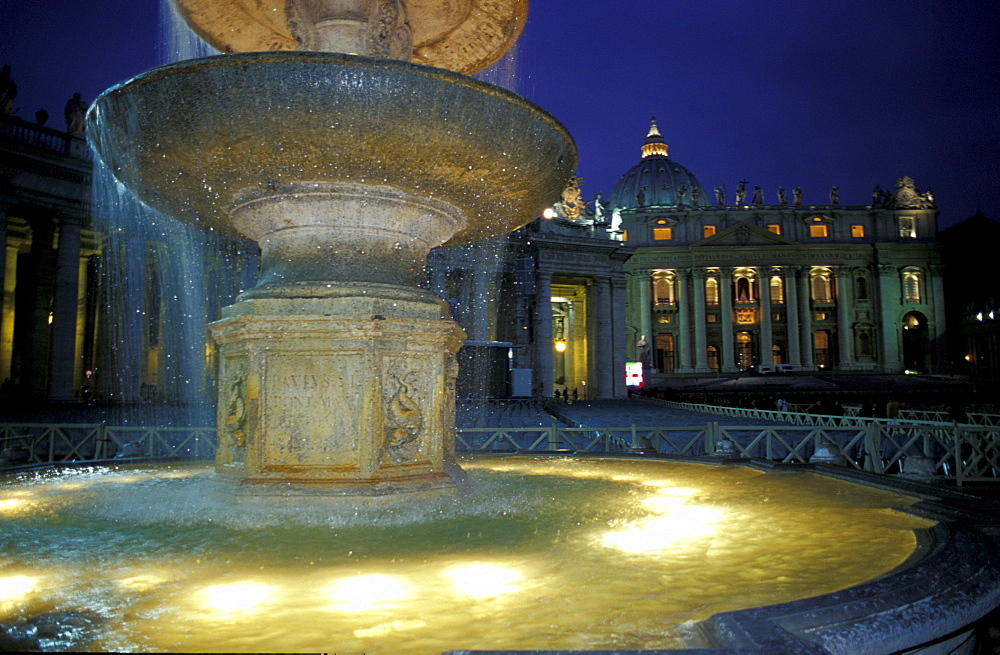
(560,345)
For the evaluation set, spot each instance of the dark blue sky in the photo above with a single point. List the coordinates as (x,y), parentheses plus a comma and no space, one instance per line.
(785,92)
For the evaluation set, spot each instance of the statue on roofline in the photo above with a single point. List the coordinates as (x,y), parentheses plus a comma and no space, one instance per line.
(571,206)
(907,196)
(720,195)
(8,91)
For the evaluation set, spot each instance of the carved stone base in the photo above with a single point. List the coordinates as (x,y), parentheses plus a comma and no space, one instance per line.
(350,395)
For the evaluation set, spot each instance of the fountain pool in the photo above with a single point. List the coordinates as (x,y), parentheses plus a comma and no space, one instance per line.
(540,553)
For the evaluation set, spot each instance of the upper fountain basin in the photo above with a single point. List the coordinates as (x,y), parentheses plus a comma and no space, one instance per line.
(192,138)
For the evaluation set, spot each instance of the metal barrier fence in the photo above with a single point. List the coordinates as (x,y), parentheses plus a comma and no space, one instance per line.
(936,416)
(960,453)
(40,444)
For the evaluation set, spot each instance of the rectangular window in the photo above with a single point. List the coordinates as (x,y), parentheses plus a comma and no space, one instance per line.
(818,231)
(907,229)
(624,236)
(708,230)
(857,231)
(663,233)
(774,228)
(712,318)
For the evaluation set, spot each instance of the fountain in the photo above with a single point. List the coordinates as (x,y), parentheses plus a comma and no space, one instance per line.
(337,372)
(337,379)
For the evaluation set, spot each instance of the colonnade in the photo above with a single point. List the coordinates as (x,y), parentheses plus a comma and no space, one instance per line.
(795,332)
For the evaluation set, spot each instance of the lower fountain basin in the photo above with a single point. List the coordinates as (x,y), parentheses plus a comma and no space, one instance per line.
(193,139)
(541,553)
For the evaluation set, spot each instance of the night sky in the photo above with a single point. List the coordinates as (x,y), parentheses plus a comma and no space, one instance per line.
(780,93)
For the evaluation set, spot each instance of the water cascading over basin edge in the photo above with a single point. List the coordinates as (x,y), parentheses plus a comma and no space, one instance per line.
(336,372)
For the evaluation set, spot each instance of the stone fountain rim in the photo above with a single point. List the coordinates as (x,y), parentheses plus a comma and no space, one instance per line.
(482,222)
(331,59)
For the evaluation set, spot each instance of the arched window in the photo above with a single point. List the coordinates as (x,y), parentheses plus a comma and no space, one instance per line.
(712,291)
(777,289)
(822,286)
(713,359)
(861,288)
(744,290)
(912,279)
(664,289)
(821,349)
(744,351)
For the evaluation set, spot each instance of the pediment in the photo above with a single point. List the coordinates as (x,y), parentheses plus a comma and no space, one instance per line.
(745,234)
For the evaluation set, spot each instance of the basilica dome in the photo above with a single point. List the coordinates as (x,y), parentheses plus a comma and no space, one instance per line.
(657,180)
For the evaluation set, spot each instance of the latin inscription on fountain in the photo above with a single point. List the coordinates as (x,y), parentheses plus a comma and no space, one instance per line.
(315,405)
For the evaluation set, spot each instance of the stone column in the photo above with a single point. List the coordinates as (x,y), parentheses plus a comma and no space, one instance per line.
(645,319)
(939,346)
(602,335)
(4,328)
(479,330)
(683,334)
(700,327)
(62,354)
(34,303)
(543,336)
(764,304)
(439,279)
(889,330)
(792,316)
(728,362)
(120,353)
(805,319)
(845,343)
(617,337)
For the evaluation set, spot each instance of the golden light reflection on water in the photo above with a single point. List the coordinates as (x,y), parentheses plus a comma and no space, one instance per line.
(16,587)
(366,592)
(236,598)
(483,580)
(612,556)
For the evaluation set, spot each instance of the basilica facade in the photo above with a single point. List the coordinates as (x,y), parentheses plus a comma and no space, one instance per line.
(733,285)
(662,272)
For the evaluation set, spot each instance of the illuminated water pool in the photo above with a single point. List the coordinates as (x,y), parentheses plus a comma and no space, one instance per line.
(541,553)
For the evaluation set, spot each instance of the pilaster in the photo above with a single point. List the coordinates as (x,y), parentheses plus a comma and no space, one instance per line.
(889,303)
(764,300)
(845,345)
(728,346)
(543,336)
(805,318)
(792,318)
(62,353)
(683,334)
(698,276)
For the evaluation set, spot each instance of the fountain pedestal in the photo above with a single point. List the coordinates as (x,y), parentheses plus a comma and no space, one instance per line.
(337,375)
(337,396)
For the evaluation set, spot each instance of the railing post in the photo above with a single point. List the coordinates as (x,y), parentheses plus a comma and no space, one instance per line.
(710,437)
(634,438)
(553,438)
(873,456)
(959,464)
